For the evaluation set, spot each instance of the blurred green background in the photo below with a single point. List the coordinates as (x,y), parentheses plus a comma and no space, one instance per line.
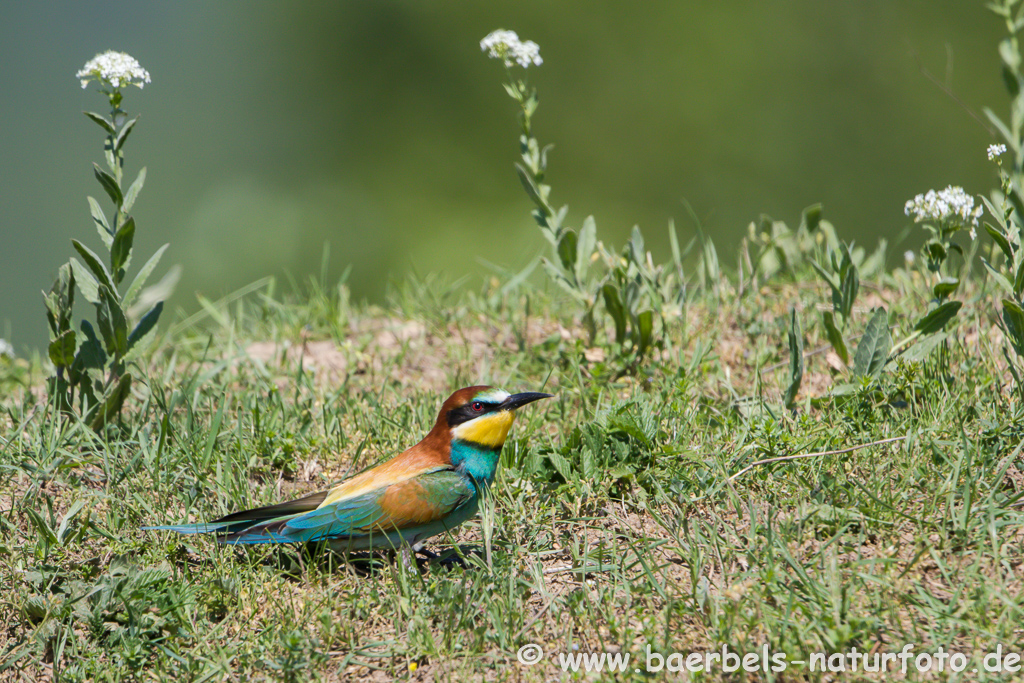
(271,128)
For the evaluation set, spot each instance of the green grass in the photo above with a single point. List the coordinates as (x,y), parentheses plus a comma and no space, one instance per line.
(617,523)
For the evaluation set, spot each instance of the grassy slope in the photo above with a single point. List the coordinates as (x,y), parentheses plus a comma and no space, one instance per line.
(646,541)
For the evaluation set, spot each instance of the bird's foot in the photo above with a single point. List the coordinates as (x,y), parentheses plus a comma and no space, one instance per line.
(453,557)
(447,559)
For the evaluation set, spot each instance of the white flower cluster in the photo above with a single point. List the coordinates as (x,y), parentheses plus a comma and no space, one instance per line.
(951,203)
(502,44)
(6,349)
(116,69)
(995,150)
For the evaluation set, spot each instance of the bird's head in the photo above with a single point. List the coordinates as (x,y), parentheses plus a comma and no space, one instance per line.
(481,416)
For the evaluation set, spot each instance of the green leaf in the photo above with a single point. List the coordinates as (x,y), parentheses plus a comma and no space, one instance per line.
(121,250)
(835,337)
(1015,199)
(588,464)
(109,185)
(140,279)
(1013,318)
(830,280)
(996,214)
(531,188)
(613,304)
(673,240)
(112,323)
(936,252)
(561,465)
(567,251)
(90,353)
(999,238)
(1009,53)
(850,286)
(944,287)
(874,346)
(118,321)
(636,247)
(101,121)
(60,300)
(41,526)
(796,358)
(86,281)
(921,350)
(105,326)
(998,277)
(555,222)
(133,191)
(111,407)
(811,217)
(95,265)
(69,516)
(585,247)
(937,319)
(1018,281)
(621,471)
(147,323)
(631,297)
(122,136)
(710,260)
(559,279)
(53,311)
(100,218)
(62,349)
(645,330)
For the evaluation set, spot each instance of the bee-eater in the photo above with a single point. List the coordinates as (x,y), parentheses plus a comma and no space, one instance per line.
(430,488)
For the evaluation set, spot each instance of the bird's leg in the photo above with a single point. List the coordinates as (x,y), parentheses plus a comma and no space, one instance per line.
(427,554)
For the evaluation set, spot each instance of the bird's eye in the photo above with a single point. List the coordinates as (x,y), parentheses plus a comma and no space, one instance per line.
(478,406)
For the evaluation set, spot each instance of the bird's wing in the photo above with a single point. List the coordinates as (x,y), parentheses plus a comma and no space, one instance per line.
(427,497)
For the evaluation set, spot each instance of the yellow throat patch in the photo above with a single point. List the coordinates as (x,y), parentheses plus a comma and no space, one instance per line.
(488,430)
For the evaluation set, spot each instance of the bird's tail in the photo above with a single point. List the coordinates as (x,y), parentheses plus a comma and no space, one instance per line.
(230,528)
(217,527)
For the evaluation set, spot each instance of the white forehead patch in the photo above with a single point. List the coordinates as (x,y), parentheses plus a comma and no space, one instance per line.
(492,395)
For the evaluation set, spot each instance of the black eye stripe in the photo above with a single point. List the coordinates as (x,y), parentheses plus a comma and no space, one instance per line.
(467,412)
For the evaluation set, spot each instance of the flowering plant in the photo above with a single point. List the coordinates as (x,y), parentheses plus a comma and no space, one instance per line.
(1006,207)
(113,70)
(631,288)
(944,213)
(91,373)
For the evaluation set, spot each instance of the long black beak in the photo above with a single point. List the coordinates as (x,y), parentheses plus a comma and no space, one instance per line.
(519,400)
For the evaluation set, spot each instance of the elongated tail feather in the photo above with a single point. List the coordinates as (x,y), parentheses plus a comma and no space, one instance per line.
(238,522)
(198,528)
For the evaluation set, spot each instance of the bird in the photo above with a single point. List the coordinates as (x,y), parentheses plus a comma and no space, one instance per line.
(428,489)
